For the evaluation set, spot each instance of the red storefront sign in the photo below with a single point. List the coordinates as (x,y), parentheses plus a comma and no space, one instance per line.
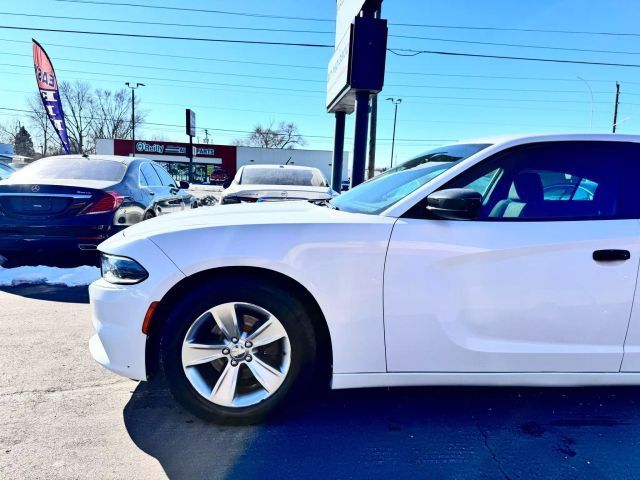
(203,154)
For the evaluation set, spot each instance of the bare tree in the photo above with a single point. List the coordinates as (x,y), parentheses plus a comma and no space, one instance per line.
(78,105)
(113,114)
(44,136)
(89,115)
(9,130)
(284,135)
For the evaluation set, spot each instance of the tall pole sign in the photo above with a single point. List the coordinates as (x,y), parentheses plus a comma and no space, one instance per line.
(355,71)
(49,93)
(191,131)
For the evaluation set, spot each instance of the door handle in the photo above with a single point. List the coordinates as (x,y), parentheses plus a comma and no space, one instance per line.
(612,255)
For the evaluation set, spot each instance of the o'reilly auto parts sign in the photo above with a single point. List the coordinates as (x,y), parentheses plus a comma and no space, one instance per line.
(162,148)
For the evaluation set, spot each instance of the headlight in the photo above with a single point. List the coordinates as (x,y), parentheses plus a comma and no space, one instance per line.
(121,270)
(229,199)
(233,199)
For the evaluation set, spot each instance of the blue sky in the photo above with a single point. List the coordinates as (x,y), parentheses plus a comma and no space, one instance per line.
(444,98)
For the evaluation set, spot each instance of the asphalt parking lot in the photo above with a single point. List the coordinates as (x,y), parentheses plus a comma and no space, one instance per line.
(62,416)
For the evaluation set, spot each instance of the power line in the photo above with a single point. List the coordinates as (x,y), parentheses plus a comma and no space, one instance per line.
(413,102)
(261,87)
(518,45)
(183,70)
(536,100)
(406,120)
(503,77)
(198,10)
(169,37)
(329,20)
(449,87)
(163,55)
(413,53)
(257,29)
(251,90)
(395,51)
(155,24)
(313,67)
(512,29)
(194,82)
(236,131)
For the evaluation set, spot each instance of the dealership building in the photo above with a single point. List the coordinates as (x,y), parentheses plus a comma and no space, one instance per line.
(208,157)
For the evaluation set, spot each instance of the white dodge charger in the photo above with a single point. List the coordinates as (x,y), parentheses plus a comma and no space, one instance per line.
(509,261)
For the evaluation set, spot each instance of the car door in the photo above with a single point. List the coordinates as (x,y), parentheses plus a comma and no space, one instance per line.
(539,282)
(175,200)
(160,193)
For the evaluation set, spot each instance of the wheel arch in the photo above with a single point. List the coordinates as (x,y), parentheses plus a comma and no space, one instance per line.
(321,329)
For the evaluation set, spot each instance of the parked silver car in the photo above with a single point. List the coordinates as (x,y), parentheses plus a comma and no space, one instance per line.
(270,183)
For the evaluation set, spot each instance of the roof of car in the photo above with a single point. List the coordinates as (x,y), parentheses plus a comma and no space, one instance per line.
(516,139)
(112,158)
(547,137)
(287,167)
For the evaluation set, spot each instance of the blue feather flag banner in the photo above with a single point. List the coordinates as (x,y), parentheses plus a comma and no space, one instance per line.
(49,93)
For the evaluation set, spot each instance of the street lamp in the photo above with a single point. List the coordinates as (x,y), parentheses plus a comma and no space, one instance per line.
(395,102)
(590,93)
(133,114)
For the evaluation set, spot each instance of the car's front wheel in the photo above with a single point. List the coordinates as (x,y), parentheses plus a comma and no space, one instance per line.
(233,350)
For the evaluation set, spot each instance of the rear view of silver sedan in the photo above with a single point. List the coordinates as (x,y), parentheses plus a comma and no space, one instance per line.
(275,183)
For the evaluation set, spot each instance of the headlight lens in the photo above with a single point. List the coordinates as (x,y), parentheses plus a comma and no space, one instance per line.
(229,199)
(121,270)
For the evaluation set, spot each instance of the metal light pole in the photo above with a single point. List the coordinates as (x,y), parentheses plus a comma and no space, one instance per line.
(591,93)
(133,114)
(395,102)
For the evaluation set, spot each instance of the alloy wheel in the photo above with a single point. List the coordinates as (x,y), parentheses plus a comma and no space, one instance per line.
(236,354)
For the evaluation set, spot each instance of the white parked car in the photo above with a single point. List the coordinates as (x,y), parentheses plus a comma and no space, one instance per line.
(275,183)
(507,261)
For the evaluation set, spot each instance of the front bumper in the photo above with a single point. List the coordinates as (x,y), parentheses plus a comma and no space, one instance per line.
(119,343)
(118,310)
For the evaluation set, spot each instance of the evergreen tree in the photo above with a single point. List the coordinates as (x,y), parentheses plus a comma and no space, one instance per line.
(23,144)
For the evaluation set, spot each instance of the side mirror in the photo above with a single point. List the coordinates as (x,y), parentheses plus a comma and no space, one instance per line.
(184,185)
(455,204)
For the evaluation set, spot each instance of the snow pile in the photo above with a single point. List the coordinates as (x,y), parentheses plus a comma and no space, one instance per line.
(71,277)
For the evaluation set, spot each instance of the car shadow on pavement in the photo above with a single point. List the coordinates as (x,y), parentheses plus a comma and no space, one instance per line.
(55,293)
(403,433)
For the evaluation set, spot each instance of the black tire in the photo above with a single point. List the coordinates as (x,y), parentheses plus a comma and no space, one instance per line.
(288,310)
(148,215)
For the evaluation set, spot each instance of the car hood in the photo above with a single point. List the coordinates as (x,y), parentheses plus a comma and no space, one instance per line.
(267,213)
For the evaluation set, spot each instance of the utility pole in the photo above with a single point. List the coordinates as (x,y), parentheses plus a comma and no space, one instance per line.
(395,102)
(360,137)
(133,114)
(373,128)
(615,110)
(338,152)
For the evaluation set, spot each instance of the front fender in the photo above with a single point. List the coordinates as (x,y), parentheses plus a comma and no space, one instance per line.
(341,265)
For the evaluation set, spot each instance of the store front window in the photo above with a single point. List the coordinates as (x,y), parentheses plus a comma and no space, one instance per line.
(180,171)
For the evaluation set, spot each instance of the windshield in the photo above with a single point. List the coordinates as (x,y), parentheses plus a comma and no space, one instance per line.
(5,172)
(381,192)
(282,176)
(71,169)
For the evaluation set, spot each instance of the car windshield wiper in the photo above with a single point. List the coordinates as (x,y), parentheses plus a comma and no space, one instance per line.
(325,203)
